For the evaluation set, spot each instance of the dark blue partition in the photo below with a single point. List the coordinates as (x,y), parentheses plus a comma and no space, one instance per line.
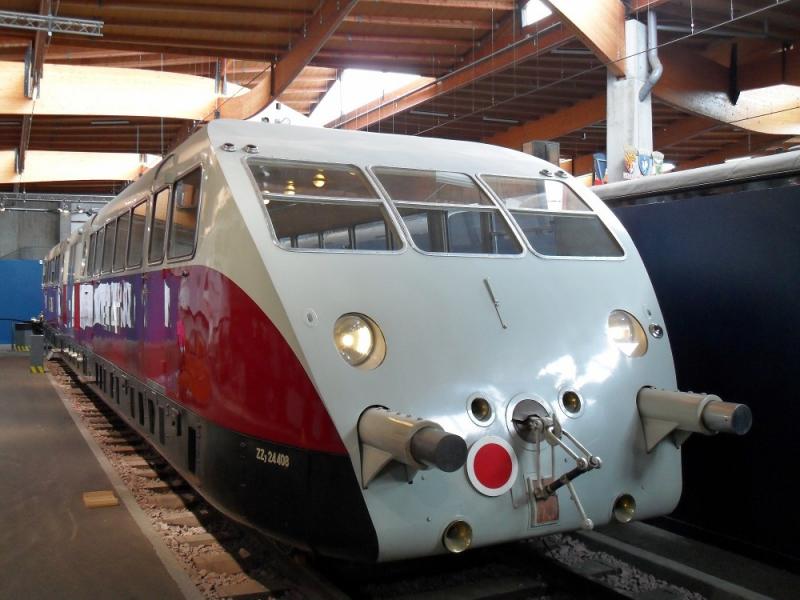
(20,294)
(726,269)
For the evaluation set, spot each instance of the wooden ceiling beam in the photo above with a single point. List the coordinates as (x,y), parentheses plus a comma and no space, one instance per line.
(133,13)
(779,68)
(420,22)
(700,86)
(322,25)
(42,165)
(600,25)
(459,4)
(107,91)
(366,38)
(416,94)
(577,116)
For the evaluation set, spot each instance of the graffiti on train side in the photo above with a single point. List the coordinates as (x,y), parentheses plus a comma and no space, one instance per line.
(108,304)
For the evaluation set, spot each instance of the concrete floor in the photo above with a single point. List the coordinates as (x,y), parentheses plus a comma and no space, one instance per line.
(51,546)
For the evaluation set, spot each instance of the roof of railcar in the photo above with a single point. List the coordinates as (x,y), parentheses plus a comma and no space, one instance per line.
(372,149)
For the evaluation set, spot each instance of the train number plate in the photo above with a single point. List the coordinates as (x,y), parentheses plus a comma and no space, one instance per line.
(270,457)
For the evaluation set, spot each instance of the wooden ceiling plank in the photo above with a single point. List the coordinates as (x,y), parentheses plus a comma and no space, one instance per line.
(577,116)
(421,22)
(699,86)
(45,165)
(600,24)
(107,91)
(323,24)
(779,68)
(454,4)
(416,94)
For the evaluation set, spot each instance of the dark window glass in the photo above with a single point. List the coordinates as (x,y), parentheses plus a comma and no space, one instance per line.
(554,234)
(45,267)
(158,224)
(371,236)
(546,212)
(448,213)
(186,203)
(306,220)
(98,252)
(108,249)
(90,257)
(460,231)
(137,234)
(73,253)
(121,246)
(338,239)
(306,240)
(313,180)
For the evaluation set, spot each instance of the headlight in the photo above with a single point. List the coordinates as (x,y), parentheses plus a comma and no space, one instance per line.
(627,333)
(359,341)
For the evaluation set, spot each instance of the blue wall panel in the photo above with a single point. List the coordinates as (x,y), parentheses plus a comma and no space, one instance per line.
(20,294)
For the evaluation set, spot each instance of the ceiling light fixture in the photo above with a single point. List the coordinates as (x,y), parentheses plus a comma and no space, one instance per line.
(110,122)
(428,113)
(499,120)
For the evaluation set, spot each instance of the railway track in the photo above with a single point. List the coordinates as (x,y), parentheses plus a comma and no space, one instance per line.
(226,560)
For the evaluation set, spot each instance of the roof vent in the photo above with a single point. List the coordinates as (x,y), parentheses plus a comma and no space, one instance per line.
(228,147)
(250,149)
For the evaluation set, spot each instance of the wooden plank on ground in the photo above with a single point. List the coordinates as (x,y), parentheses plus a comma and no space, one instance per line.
(100,499)
(183,519)
(197,539)
(218,562)
(248,587)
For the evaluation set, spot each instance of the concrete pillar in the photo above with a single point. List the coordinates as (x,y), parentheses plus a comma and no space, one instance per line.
(629,122)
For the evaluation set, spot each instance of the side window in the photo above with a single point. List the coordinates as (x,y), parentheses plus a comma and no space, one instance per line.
(185,208)
(84,257)
(73,254)
(158,225)
(123,225)
(108,249)
(98,252)
(554,218)
(137,234)
(90,257)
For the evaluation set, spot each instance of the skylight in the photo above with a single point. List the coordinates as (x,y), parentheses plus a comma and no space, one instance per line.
(355,88)
(534,11)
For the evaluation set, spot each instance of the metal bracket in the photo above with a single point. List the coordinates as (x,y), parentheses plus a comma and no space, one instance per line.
(549,430)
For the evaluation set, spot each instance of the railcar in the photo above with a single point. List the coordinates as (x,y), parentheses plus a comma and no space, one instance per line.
(738,251)
(377,346)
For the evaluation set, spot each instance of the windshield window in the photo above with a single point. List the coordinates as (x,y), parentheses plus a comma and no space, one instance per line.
(553,218)
(447,212)
(315,206)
